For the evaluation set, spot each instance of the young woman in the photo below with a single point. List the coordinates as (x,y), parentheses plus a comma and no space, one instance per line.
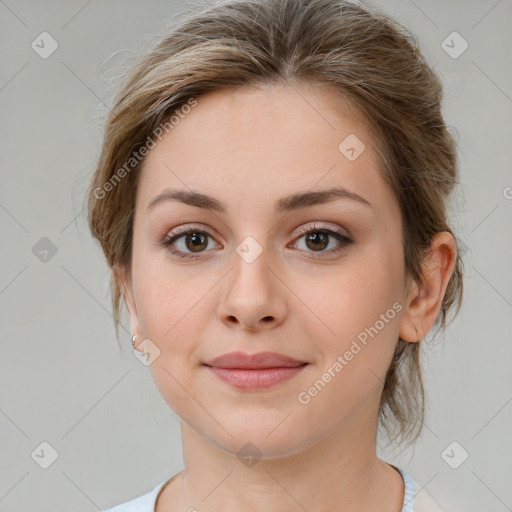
(271,198)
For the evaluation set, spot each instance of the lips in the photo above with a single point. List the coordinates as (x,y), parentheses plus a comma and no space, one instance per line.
(258,361)
(254,372)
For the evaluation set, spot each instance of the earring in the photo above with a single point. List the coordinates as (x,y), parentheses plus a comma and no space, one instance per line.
(134,338)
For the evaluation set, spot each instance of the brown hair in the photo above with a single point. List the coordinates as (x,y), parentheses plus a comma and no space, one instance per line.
(369,58)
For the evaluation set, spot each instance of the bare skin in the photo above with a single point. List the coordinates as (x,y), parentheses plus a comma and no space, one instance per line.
(248,149)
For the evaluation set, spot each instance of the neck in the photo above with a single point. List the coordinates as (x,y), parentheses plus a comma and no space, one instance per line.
(340,472)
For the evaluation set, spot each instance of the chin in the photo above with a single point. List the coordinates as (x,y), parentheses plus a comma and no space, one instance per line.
(262,437)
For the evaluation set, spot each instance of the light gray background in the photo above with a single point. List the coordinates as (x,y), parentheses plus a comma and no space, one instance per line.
(62,377)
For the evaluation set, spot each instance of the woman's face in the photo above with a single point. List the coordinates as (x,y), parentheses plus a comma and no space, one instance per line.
(251,278)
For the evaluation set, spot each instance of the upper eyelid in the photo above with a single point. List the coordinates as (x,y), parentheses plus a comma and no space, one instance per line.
(317,226)
(302,230)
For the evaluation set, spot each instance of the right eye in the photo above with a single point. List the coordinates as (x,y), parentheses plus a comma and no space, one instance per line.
(195,240)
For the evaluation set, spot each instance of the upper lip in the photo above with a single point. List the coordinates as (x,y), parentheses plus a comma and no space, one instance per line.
(254,361)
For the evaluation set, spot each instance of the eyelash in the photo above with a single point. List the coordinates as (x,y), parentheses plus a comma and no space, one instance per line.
(180,233)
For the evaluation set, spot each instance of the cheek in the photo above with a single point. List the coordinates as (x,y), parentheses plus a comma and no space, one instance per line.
(164,294)
(175,306)
(169,310)
(354,297)
(360,306)
(169,306)
(361,312)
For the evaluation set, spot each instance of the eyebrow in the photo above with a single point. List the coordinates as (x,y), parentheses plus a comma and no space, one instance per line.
(285,204)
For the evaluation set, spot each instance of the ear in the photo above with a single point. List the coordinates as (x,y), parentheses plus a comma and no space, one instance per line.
(425,299)
(124,281)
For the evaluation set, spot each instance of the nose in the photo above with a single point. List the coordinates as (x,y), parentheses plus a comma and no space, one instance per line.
(254,297)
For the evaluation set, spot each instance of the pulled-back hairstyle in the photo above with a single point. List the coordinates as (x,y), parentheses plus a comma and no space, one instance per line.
(370,59)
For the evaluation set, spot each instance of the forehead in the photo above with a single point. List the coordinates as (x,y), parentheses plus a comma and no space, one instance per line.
(264,144)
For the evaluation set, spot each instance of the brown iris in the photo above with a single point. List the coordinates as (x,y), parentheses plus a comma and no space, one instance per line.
(198,241)
(318,239)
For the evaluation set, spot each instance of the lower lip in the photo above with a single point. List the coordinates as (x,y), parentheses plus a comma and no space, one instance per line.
(255,379)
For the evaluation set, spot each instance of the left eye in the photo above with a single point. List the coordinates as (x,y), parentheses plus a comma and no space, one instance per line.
(318,239)
(196,241)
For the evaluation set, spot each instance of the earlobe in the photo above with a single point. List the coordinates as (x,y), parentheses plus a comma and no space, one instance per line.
(411,329)
(425,298)
(126,288)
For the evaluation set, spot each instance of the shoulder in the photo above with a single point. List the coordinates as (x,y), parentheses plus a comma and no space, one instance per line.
(425,503)
(140,504)
(417,500)
(144,503)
